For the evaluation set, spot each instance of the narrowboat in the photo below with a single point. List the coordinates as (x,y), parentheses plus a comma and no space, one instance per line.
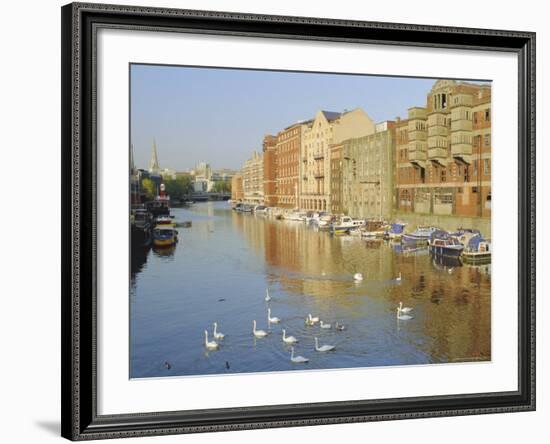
(141,224)
(164,236)
(444,244)
(477,251)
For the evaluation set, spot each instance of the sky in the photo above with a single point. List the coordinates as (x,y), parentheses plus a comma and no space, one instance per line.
(220,116)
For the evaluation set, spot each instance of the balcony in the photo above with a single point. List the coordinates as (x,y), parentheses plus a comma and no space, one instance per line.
(417,156)
(462,152)
(319,175)
(318,156)
(417,135)
(461,125)
(417,113)
(438,130)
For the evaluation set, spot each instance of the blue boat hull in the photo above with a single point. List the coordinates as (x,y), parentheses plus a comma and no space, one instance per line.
(447,251)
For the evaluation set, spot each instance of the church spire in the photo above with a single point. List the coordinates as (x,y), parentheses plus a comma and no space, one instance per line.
(154,164)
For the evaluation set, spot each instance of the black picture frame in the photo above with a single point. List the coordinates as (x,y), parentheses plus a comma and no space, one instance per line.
(80,22)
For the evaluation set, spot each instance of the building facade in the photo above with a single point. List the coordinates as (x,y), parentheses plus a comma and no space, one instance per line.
(367,174)
(326,129)
(336,178)
(289,142)
(269,149)
(237,192)
(253,179)
(443,153)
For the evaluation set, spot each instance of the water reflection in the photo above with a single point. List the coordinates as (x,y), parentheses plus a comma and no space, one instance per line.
(222,265)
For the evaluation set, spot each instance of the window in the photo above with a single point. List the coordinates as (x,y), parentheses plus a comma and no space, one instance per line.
(443,175)
(474,189)
(475,167)
(486,167)
(487,140)
(487,115)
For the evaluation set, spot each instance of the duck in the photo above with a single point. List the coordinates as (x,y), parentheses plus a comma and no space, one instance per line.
(403,317)
(340,327)
(398,278)
(323,348)
(272,320)
(289,339)
(217,334)
(210,345)
(267,297)
(258,333)
(404,309)
(325,326)
(167,365)
(297,359)
(358,276)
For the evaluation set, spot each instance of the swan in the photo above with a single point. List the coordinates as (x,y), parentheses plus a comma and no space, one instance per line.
(340,327)
(450,270)
(403,317)
(297,359)
(272,320)
(289,339)
(398,278)
(267,297)
(323,348)
(404,309)
(313,319)
(210,345)
(217,334)
(258,333)
(309,322)
(325,326)
(358,276)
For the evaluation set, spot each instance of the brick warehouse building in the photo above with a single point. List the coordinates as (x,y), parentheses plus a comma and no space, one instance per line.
(289,143)
(443,153)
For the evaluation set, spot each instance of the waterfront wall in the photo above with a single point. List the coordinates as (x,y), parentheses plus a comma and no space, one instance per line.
(445,222)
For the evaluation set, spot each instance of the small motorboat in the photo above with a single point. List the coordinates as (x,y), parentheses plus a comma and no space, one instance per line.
(420,235)
(445,244)
(477,251)
(164,236)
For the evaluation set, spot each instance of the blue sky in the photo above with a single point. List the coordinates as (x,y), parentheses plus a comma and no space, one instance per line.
(221,115)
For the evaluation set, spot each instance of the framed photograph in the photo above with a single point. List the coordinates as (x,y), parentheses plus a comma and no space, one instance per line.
(275,221)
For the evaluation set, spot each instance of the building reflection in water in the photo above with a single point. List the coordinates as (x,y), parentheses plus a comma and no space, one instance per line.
(452,301)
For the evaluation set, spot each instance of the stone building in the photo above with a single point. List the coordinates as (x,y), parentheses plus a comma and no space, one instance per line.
(367,174)
(336,166)
(253,179)
(443,153)
(326,129)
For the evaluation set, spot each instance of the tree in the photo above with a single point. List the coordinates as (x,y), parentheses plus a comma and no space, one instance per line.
(221,186)
(148,188)
(178,188)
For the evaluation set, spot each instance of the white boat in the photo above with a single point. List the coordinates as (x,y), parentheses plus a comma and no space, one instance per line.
(477,251)
(295,215)
(343,225)
(421,235)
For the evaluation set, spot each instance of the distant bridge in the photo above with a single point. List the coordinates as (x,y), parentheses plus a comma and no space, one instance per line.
(203,197)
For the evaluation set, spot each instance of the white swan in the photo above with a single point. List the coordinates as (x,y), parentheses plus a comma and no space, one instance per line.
(289,339)
(340,327)
(358,276)
(297,359)
(258,333)
(404,309)
(217,334)
(325,326)
(267,297)
(398,278)
(403,317)
(313,319)
(272,320)
(323,348)
(210,345)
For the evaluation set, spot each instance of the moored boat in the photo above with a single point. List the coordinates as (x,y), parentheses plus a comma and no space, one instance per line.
(164,236)
(345,224)
(420,235)
(445,244)
(373,229)
(477,251)
(396,230)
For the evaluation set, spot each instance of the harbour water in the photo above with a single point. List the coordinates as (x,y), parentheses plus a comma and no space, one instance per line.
(223,263)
